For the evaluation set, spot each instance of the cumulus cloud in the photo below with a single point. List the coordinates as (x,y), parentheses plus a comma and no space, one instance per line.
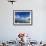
(17,16)
(27,18)
(22,18)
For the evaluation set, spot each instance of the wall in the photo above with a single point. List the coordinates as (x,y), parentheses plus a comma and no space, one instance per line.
(38,29)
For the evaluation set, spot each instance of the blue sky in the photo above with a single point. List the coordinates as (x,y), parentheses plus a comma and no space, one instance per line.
(22,14)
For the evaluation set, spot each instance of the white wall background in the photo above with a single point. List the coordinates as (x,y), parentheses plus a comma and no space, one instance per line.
(37,31)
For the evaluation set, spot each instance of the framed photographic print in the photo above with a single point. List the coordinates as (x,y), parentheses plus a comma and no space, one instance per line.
(22,17)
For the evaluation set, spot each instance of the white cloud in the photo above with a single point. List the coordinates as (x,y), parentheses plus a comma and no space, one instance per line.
(22,18)
(27,18)
(17,16)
